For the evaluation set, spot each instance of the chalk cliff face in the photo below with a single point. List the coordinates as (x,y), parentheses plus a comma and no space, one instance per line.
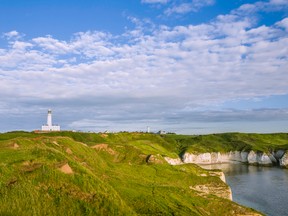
(224,192)
(244,156)
(173,161)
(236,156)
(284,160)
(264,159)
(278,154)
(252,158)
(272,158)
(217,157)
(225,157)
(204,158)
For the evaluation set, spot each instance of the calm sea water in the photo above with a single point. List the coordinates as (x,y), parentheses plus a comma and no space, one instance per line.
(262,188)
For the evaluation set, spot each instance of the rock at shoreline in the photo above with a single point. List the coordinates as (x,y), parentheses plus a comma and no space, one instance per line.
(264,159)
(255,158)
(252,158)
(284,160)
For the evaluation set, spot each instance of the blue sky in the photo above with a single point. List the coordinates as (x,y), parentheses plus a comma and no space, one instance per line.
(186,66)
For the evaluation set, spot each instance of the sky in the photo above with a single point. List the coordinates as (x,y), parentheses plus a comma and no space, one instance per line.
(183,66)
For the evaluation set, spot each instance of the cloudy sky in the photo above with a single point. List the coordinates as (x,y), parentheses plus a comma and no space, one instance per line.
(185,66)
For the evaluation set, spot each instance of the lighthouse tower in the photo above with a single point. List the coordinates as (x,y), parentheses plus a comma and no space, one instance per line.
(49,126)
(49,118)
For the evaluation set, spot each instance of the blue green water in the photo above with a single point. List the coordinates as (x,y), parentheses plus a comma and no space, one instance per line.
(262,188)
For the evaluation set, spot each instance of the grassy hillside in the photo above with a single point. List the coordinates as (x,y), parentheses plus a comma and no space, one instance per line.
(229,142)
(69,173)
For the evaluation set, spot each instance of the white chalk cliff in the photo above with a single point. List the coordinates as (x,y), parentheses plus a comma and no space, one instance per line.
(264,159)
(251,157)
(284,160)
(173,161)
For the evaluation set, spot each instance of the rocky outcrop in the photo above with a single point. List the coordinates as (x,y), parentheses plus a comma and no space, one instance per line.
(272,158)
(173,161)
(225,157)
(236,156)
(214,157)
(204,158)
(284,160)
(259,158)
(15,146)
(221,175)
(264,159)
(251,157)
(278,154)
(66,169)
(155,159)
(244,156)
(219,190)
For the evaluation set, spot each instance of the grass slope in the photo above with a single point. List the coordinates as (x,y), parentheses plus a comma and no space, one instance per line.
(110,177)
(229,142)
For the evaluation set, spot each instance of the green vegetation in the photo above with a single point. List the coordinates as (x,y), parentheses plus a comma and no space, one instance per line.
(110,175)
(229,142)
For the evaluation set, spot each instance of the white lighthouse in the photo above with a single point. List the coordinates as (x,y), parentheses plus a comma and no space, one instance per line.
(49,126)
(49,118)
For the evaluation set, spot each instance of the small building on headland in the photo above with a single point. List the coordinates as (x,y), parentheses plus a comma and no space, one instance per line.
(49,126)
(162,132)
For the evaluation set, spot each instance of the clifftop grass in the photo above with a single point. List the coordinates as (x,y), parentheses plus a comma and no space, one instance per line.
(229,142)
(110,177)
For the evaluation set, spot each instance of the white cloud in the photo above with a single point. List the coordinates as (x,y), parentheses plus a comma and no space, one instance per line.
(147,75)
(201,3)
(169,57)
(279,2)
(179,9)
(187,7)
(283,23)
(88,44)
(273,5)
(52,45)
(12,35)
(154,1)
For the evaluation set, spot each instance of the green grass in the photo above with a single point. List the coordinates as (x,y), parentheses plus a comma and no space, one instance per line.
(112,180)
(229,142)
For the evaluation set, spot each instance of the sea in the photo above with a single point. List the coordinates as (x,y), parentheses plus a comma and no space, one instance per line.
(264,189)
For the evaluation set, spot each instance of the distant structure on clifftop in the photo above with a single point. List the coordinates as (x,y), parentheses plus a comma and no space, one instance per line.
(49,126)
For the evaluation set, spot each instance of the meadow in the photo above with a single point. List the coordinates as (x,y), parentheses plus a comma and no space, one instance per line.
(73,173)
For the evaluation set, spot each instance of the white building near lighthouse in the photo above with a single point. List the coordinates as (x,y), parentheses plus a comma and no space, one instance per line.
(49,126)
